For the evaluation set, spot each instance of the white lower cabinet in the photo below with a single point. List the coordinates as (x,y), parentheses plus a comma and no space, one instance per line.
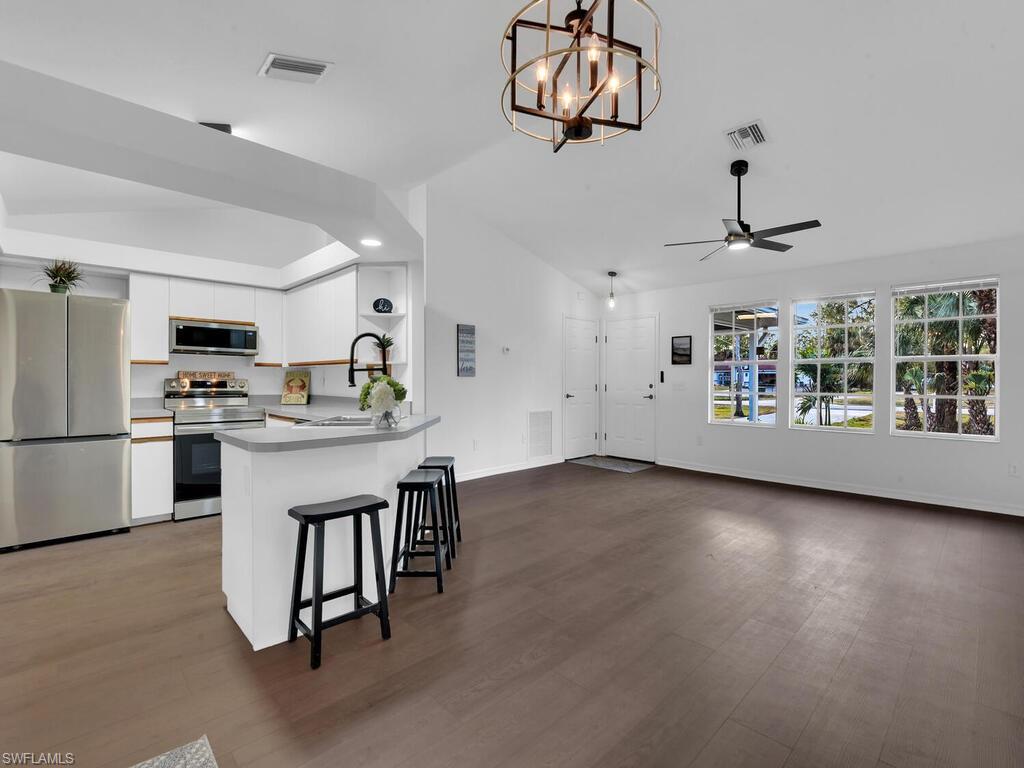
(152,470)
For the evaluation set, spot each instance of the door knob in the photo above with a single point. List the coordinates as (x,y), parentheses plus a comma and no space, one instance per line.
(648,397)
(567,395)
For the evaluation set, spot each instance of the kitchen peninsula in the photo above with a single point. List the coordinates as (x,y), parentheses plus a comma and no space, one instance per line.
(264,472)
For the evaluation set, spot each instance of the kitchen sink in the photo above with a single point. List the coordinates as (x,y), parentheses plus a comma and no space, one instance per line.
(340,421)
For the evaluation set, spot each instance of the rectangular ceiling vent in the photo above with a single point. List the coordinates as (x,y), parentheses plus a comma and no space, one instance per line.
(293,68)
(747,136)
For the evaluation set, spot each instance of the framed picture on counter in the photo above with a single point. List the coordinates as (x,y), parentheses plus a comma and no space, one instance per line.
(465,345)
(682,350)
(296,387)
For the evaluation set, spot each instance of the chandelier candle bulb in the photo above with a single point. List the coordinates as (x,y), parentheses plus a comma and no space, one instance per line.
(592,56)
(542,76)
(613,86)
(566,100)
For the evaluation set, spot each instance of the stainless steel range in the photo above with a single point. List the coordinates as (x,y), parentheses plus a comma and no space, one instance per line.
(202,407)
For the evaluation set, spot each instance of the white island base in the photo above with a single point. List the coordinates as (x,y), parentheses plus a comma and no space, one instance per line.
(264,474)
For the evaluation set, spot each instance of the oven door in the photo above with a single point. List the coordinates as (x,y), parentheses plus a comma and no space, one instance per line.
(190,337)
(197,468)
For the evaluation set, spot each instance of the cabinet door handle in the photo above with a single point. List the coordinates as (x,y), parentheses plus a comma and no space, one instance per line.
(567,395)
(648,397)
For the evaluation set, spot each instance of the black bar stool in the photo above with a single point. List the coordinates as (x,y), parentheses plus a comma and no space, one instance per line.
(415,491)
(317,515)
(447,464)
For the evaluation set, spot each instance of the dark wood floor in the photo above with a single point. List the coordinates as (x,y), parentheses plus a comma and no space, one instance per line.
(593,619)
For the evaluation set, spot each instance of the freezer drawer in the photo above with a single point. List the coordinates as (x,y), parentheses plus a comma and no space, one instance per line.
(98,367)
(33,365)
(50,489)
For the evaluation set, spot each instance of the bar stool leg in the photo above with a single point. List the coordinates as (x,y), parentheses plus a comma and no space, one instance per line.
(449,508)
(300,568)
(455,502)
(357,557)
(437,539)
(378,569)
(318,594)
(417,530)
(446,531)
(395,551)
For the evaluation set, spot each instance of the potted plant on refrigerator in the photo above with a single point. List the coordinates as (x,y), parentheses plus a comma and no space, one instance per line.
(62,275)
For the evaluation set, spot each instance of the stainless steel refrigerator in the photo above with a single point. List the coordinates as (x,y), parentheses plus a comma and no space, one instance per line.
(65,447)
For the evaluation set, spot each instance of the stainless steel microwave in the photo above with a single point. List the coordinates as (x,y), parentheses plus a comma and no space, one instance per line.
(197,337)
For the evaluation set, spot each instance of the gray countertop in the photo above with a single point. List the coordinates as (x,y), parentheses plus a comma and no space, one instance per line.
(323,407)
(318,408)
(279,439)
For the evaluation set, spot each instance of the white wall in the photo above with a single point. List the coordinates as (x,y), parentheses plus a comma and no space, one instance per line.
(961,473)
(475,275)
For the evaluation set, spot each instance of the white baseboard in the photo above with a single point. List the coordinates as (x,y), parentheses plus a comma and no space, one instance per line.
(489,471)
(860,490)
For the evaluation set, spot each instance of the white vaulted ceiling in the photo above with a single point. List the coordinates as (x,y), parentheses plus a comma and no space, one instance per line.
(890,121)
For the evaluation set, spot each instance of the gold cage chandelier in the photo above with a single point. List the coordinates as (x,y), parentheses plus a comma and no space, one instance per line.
(570,79)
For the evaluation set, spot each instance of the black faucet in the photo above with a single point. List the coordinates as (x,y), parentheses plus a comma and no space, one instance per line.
(352,357)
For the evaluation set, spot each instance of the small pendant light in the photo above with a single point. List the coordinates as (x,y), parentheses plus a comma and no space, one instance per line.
(611,289)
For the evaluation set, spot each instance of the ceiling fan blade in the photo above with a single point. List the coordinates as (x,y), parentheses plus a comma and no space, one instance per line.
(712,253)
(732,226)
(694,242)
(771,245)
(785,230)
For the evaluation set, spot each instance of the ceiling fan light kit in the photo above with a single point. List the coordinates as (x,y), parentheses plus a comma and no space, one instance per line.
(737,232)
(570,80)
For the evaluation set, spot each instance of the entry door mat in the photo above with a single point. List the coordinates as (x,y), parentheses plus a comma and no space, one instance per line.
(195,755)
(610,462)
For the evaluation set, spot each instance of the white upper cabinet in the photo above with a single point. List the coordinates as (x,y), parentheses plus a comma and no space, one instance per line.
(300,325)
(192,298)
(234,303)
(269,307)
(320,320)
(148,295)
(337,303)
(212,301)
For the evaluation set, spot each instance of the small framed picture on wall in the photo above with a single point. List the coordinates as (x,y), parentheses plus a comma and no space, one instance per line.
(682,350)
(465,344)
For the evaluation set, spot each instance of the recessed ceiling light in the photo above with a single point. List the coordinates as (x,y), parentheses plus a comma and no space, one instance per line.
(370,242)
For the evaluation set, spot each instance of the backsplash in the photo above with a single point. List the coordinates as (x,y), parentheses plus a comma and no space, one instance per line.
(148,380)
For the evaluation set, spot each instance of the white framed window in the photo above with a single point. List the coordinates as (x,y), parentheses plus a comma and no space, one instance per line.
(833,363)
(946,360)
(744,349)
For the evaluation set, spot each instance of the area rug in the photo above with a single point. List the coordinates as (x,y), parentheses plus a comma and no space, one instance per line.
(195,755)
(610,462)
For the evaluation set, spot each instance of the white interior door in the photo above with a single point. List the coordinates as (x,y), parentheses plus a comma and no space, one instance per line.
(630,370)
(579,417)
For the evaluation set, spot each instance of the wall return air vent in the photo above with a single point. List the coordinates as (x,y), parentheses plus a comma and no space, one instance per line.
(294,68)
(747,136)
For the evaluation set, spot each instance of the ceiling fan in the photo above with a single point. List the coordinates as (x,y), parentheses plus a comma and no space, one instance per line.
(738,235)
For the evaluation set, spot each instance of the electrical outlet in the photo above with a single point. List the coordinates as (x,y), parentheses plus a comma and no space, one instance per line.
(700,440)
(1013,470)
(476,444)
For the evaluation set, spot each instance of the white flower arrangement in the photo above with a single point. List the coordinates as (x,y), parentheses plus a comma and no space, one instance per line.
(382,398)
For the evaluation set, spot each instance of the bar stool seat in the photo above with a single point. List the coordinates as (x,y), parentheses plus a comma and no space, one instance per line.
(447,465)
(418,494)
(318,515)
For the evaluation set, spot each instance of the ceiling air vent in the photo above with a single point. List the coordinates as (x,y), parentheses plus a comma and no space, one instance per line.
(747,136)
(293,68)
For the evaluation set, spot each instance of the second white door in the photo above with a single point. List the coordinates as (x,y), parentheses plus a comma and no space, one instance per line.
(580,360)
(630,370)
